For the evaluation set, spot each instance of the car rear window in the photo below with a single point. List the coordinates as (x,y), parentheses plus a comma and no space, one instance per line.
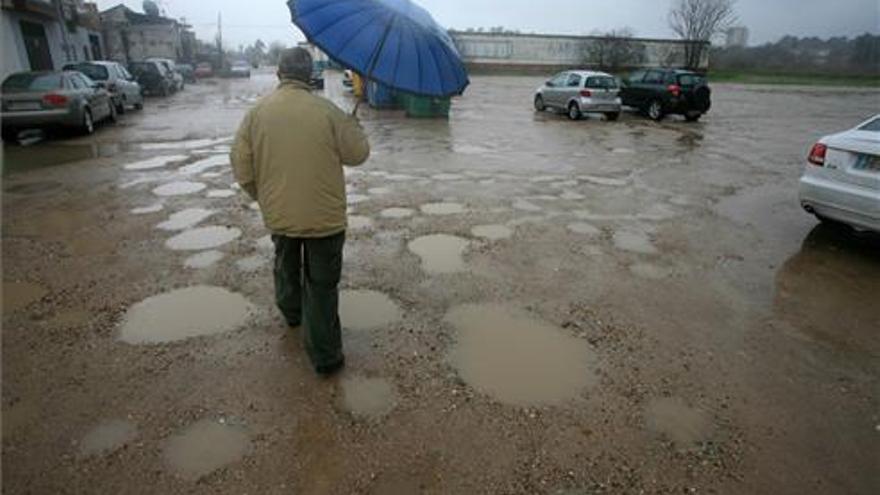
(602,82)
(690,79)
(873,126)
(94,71)
(18,83)
(144,68)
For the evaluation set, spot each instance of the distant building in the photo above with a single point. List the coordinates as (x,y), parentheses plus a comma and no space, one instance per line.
(47,34)
(737,37)
(132,36)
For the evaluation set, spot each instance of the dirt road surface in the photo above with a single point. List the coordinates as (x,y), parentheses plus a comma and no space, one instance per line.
(531,306)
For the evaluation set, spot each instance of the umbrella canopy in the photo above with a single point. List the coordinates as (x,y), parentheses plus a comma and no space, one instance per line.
(394,42)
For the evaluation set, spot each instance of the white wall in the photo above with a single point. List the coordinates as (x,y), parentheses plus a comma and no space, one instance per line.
(14,53)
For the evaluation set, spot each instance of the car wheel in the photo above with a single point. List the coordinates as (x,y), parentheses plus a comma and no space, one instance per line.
(10,135)
(612,116)
(574,112)
(139,105)
(655,110)
(111,117)
(539,103)
(693,117)
(88,124)
(120,107)
(163,91)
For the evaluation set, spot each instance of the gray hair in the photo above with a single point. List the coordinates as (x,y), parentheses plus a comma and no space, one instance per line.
(295,63)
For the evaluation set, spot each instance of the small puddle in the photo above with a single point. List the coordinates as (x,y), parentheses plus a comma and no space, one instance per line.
(633,241)
(397,213)
(492,232)
(179,188)
(442,209)
(366,310)
(221,193)
(204,164)
(368,397)
(354,199)
(564,183)
(448,177)
(524,205)
(251,264)
(359,223)
(107,437)
(379,191)
(204,259)
(185,219)
(583,228)
(265,243)
(571,196)
(143,210)
(440,253)
(508,354)
(203,238)
(155,162)
(18,295)
(673,418)
(205,447)
(184,313)
(190,144)
(603,181)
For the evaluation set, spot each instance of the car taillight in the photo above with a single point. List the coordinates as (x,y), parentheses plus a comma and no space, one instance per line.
(55,100)
(674,89)
(817,154)
(586,93)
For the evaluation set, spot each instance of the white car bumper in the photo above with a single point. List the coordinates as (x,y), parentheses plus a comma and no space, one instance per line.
(851,204)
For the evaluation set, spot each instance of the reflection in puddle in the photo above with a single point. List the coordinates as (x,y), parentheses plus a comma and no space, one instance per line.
(205,447)
(185,219)
(603,181)
(155,162)
(674,419)
(442,209)
(370,397)
(204,259)
(17,295)
(366,310)
(179,188)
(359,223)
(203,238)
(107,437)
(397,213)
(636,242)
(251,264)
(183,314)
(143,210)
(583,228)
(492,232)
(517,359)
(440,253)
(191,144)
(205,164)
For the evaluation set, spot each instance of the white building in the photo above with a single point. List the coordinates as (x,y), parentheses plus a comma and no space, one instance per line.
(132,36)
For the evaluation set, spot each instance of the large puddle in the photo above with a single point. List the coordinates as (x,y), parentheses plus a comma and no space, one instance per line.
(155,162)
(107,437)
(205,447)
(179,188)
(185,219)
(183,314)
(673,418)
(203,238)
(205,259)
(17,295)
(515,358)
(492,232)
(366,310)
(397,213)
(368,397)
(189,144)
(634,241)
(440,253)
(442,209)
(205,164)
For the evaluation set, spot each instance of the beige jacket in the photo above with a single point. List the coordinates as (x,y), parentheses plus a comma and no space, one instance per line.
(288,155)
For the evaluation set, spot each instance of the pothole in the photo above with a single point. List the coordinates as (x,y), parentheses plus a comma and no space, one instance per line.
(205,447)
(680,423)
(583,228)
(143,210)
(203,238)
(204,164)
(185,219)
(179,188)
(155,162)
(634,241)
(442,209)
(368,397)
(221,193)
(492,232)
(204,259)
(107,437)
(440,253)
(367,310)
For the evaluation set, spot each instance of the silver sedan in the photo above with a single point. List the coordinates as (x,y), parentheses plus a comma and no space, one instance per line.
(578,92)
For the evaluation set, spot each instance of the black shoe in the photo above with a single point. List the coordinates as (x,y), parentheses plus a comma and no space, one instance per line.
(330,369)
(294,324)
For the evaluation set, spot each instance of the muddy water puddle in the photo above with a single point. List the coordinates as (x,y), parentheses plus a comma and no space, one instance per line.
(677,421)
(203,238)
(492,232)
(184,313)
(204,164)
(510,355)
(368,397)
(185,219)
(18,295)
(634,241)
(204,259)
(179,188)
(205,447)
(442,209)
(107,437)
(155,162)
(367,310)
(396,213)
(440,253)
(143,210)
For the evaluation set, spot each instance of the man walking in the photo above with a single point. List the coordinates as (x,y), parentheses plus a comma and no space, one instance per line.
(288,155)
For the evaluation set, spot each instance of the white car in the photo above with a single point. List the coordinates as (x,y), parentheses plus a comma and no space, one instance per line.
(842,180)
(578,92)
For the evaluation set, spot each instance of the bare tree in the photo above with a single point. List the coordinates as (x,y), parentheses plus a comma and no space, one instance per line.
(615,50)
(697,22)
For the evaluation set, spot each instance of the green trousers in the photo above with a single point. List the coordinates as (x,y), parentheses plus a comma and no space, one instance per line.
(307,273)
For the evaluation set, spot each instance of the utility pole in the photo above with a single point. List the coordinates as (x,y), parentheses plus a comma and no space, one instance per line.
(221,64)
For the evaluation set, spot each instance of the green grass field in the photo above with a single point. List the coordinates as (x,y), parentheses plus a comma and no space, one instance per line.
(794,79)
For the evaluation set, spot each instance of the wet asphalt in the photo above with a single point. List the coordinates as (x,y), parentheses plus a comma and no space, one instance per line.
(531,305)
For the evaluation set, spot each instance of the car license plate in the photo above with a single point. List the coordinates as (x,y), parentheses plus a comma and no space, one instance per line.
(24,106)
(867,162)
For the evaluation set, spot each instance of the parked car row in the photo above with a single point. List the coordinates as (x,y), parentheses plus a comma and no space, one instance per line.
(655,92)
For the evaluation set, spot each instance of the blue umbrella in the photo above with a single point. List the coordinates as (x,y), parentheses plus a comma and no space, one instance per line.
(394,42)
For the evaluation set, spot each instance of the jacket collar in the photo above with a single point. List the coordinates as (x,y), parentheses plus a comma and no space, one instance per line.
(294,84)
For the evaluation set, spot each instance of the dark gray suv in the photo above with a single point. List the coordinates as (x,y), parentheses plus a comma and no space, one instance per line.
(660,92)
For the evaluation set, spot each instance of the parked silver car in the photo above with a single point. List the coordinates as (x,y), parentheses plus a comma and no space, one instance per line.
(176,77)
(53,99)
(116,79)
(579,92)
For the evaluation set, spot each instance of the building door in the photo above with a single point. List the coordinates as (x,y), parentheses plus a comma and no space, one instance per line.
(37,46)
(96,47)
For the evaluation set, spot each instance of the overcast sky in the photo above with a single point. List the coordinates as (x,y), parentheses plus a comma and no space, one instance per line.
(247,20)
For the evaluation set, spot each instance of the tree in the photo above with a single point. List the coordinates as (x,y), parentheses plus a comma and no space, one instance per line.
(274,53)
(697,22)
(615,50)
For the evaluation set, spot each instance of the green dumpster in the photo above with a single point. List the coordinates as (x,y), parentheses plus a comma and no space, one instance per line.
(425,107)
